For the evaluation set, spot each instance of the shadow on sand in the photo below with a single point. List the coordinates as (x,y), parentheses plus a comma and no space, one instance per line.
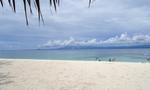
(5,76)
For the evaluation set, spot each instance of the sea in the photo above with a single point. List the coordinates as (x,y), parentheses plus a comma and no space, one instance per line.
(121,55)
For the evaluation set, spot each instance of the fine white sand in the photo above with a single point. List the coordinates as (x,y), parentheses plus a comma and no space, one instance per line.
(73,75)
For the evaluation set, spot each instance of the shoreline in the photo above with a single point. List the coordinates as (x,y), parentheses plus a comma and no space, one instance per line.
(57,60)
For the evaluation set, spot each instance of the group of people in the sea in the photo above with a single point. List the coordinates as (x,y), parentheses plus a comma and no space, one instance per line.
(110,59)
(148,59)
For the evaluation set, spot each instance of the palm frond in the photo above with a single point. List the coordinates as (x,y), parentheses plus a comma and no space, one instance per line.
(25,10)
(14,5)
(9,1)
(90,2)
(28,3)
(1,1)
(40,16)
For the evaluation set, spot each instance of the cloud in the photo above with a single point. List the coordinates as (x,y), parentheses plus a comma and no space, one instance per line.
(123,39)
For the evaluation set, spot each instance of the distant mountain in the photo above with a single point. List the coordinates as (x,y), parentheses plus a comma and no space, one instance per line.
(94,47)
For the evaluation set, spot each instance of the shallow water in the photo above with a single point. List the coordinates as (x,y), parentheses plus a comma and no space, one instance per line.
(128,55)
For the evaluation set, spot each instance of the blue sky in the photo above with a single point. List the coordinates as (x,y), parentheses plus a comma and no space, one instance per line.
(107,21)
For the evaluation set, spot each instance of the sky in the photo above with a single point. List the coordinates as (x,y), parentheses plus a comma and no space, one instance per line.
(119,22)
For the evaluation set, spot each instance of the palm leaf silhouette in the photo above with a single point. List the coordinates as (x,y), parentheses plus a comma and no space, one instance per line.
(28,3)
(1,1)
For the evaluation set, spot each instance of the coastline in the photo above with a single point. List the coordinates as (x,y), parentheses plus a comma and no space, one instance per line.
(71,60)
(29,74)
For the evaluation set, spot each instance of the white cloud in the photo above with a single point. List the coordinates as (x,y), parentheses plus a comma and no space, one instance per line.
(123,39)
(59,42)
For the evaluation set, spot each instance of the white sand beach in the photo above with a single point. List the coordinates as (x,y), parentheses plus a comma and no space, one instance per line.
(73,75)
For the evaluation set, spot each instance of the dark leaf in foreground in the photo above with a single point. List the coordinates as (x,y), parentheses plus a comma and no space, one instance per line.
(14,5)
(1,1)
(9,1)
(25,10)
(28,4)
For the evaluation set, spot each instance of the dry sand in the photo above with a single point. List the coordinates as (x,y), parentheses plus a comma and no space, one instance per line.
(73,75)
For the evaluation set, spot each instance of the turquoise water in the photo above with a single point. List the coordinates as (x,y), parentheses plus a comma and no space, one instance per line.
(128,55)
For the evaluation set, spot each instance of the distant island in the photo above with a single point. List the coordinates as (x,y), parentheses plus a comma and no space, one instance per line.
(93,47)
